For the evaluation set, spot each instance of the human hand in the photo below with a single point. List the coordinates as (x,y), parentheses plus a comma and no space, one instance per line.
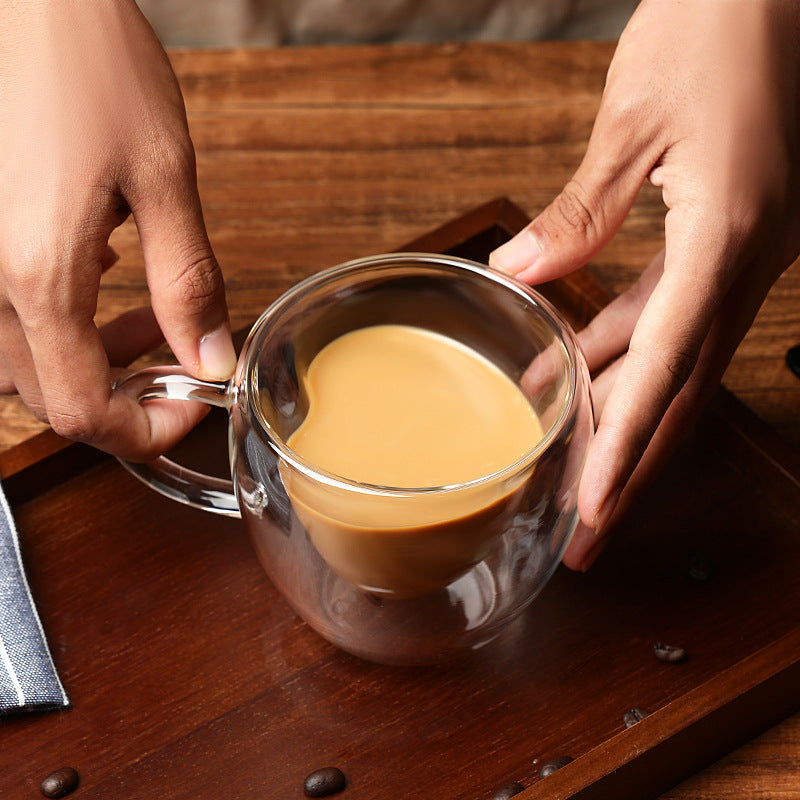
(93,128)
(702,99)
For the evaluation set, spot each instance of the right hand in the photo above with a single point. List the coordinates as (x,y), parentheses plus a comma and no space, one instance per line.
(93,128)
(702,100)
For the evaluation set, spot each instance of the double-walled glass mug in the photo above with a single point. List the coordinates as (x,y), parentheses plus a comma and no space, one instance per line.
(394,574)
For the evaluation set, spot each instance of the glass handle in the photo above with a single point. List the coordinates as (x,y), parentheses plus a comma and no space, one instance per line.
(165,476)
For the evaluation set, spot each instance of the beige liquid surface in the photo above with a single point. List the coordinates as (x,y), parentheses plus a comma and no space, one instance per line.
(399,406)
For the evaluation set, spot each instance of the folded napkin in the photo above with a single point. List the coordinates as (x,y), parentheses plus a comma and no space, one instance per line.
(28,678)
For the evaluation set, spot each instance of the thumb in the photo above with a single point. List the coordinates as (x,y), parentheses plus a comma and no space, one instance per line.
(586,213)
(186,284)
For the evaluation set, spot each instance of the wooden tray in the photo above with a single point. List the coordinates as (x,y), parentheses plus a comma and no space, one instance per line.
(190,677)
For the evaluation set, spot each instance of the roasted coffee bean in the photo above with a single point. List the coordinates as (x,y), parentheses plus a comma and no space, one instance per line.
(60,783)
(553,765)
(325,781)
(668,652)
(793,359)
(698,567)
(633,716)
(508,790)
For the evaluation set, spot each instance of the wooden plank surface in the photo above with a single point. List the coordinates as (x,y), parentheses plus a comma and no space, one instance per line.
(310,157)
(535,694)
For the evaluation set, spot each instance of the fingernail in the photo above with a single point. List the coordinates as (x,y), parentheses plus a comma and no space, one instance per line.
(601,519)
(605,509)
(217,356)
(517,254)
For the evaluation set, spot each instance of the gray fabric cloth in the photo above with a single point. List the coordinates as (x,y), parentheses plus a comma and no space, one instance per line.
(28,678)
(243,23)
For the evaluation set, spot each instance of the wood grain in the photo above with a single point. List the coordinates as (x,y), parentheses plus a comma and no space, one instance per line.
(535,693)
(309,157)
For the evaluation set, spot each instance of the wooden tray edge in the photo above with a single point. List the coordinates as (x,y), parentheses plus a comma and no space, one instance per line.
(688,734)
(681,737)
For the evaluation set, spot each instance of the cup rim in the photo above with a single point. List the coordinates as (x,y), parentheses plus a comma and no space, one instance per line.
(558,324)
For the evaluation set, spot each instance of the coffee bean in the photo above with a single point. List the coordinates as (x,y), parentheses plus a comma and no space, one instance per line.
(668,652)
(555,764)
(508,790)
(325,781)
(630,718)
(793,359)
(698,567)
(60,783)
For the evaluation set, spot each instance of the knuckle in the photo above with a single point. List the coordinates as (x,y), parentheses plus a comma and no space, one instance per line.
(162,168)
(573,213)
(38,277)
(672,368)
(22,275)
(632,108)
(625,113)
(77,424)
(679,365)
(198,284)
(168,164)
(175,157)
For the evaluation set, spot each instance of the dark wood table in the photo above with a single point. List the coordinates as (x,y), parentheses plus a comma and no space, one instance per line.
(306,158)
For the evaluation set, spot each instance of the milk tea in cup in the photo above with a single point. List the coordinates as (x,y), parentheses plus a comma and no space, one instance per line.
(402,407)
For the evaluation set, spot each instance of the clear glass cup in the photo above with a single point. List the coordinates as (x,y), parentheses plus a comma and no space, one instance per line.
(480,552)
